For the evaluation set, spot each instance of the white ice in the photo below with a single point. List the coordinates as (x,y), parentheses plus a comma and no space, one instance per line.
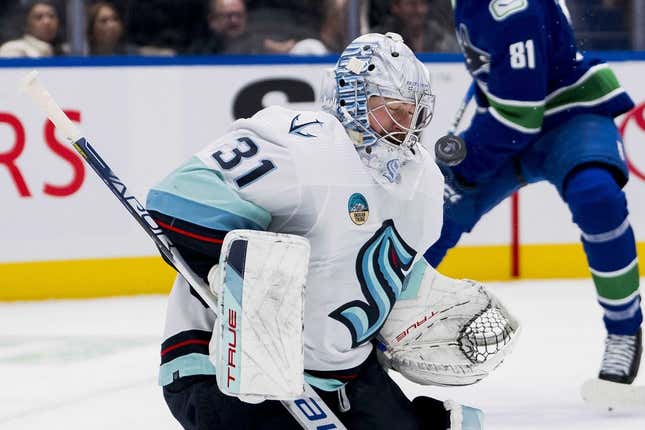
(93,364)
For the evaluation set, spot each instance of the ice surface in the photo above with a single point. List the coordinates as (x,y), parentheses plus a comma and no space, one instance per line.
(93,364)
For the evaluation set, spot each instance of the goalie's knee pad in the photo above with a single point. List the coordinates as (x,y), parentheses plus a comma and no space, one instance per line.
(445,331)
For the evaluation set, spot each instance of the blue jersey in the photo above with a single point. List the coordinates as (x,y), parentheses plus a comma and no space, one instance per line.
(529,75)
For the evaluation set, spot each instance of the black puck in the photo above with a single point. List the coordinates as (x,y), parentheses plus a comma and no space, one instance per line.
(450,150)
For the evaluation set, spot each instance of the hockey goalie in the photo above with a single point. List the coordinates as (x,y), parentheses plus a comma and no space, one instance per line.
(318,221)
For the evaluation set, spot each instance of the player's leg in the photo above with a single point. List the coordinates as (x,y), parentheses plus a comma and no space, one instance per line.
(197,403)
(464,206)
(450,234)
(599,208)
(587,168)
(372,400)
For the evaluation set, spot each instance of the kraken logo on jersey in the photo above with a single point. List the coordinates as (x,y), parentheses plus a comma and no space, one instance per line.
(379,267)
(358,209)
(477,60)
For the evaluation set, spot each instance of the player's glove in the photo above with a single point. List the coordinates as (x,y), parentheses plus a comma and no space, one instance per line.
(455,188)
(459,197)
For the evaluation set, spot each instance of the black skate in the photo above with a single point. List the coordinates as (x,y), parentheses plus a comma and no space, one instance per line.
(622,358)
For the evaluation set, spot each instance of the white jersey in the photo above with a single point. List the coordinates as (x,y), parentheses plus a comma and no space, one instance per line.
(298,172)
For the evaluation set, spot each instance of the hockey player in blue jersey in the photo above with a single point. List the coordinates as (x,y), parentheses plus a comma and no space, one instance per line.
(546,112)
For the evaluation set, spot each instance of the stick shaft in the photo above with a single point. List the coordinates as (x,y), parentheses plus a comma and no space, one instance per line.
(46,102)
(462,108)
(145,220)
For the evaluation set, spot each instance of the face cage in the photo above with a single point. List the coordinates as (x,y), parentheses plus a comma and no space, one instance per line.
(407,134)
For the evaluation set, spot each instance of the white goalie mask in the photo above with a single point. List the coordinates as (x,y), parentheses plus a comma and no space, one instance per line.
(381,93)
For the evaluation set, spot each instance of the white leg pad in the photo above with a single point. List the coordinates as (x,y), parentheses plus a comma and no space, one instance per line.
(257,348)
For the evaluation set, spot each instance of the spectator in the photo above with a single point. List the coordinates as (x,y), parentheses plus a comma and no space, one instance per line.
(228,18)
(227,21)
(105,33)
(6,19)
(601,24)
(378,11)
(164,27)
(421,31)
(41,28)
(332,34)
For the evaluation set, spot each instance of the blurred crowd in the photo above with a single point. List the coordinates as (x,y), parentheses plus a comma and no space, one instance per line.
(41,28)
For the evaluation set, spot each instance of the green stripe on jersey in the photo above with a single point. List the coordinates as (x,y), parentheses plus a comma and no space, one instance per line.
(589,91)
(617,287)
(525,118)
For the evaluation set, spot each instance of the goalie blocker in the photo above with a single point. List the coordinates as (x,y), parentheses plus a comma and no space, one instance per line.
(257,347)
(444,331)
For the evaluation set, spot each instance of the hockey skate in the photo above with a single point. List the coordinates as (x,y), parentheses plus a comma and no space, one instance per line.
(612,389)
(622,357)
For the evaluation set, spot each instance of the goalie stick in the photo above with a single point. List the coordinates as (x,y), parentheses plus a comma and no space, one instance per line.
(309,410)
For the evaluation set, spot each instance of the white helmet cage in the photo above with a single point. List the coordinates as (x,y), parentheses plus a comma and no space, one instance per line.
(380,65)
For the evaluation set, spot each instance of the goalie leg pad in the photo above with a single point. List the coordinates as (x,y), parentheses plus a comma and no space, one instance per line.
(257,349)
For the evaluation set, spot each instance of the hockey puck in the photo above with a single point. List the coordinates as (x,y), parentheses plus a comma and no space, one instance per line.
(450,150)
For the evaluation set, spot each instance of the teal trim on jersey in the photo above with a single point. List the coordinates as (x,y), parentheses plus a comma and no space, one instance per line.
(196,213)
(186,365)
(592,89)
(324,384)
(412,282)
(198,194)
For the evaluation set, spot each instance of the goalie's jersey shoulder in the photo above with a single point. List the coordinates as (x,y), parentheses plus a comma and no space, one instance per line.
(275,157)
(285,127)
(307,139)
(257,175)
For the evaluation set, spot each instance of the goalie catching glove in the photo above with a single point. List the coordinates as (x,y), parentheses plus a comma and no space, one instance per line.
(444,331)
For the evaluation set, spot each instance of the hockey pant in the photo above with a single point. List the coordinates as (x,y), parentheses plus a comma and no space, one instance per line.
(370,401)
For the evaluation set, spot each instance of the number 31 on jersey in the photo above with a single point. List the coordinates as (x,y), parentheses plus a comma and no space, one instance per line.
(246,148)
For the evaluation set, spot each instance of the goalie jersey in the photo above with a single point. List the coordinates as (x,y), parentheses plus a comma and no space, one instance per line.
(529,78)
(298,172)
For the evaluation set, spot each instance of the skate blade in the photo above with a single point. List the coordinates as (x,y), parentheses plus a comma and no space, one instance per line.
(613,396)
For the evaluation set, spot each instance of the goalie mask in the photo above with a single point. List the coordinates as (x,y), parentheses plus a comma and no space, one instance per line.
(381,93)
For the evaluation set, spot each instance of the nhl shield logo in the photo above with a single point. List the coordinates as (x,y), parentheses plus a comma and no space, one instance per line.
(358,208)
